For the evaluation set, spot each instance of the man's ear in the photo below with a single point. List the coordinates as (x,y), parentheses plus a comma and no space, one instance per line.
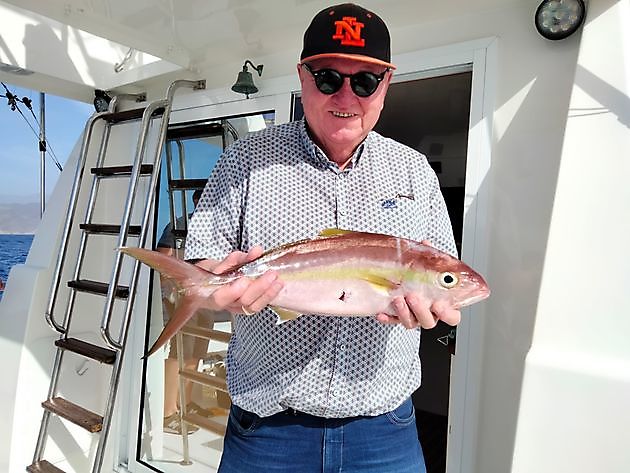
(300,71)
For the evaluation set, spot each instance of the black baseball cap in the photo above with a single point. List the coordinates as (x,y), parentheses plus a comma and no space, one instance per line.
(347,31)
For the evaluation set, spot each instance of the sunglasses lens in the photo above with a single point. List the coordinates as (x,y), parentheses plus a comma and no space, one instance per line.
(364,84)
(328,81)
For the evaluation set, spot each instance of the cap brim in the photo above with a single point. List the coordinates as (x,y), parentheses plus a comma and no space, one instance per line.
(354,57)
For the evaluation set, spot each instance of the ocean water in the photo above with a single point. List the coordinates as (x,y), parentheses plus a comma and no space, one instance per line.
(13,250)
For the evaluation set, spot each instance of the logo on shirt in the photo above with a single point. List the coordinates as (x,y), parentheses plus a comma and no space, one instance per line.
(392,202)
(349,31)
(389,204)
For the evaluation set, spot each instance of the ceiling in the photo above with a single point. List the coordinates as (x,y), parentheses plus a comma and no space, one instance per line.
(191,35)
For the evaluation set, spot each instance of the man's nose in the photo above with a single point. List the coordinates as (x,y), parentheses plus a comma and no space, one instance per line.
(345,90)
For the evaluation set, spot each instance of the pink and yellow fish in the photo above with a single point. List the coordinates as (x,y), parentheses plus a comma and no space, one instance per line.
(339,273)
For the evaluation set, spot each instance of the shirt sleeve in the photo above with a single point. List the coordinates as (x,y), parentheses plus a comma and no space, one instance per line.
(215,226)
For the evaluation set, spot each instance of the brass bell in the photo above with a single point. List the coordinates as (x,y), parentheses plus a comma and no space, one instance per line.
(245,82)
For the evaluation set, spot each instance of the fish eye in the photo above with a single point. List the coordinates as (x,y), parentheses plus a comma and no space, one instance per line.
(447,280)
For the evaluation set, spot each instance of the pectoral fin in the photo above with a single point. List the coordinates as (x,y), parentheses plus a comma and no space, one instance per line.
(380,283)
(285,314)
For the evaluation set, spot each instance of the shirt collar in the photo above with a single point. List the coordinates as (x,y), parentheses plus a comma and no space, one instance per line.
(319,156)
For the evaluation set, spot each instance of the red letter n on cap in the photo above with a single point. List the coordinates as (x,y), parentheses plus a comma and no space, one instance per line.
(349,32)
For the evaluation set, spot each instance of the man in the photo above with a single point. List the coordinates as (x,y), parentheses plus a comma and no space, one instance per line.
(322,393)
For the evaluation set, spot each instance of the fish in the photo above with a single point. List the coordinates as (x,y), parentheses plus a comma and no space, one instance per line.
(337,273)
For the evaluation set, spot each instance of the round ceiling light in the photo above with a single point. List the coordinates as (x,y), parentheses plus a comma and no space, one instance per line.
(559,19)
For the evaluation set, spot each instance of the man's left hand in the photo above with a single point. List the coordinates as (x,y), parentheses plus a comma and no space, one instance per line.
(413,311)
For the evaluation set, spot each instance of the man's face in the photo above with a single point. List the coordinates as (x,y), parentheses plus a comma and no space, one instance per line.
(342,120)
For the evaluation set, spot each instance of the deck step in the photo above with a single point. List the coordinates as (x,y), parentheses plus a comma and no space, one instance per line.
(127,115)
(76,414)
(205,423)
(187,184)
(43,466)
(95,352)
(96,287)
(108,229)
(215,382)
(120,171)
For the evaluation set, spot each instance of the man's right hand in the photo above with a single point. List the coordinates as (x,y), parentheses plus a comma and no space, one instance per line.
(244,295)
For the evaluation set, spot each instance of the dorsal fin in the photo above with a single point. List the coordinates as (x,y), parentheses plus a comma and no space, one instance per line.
(329,232)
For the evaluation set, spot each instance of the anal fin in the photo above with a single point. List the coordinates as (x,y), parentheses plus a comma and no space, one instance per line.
(284,314)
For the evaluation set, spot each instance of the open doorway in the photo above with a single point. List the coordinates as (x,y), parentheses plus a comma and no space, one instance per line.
(431,115)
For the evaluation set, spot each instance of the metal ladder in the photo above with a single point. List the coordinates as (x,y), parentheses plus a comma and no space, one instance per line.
(113,351)
(179,186)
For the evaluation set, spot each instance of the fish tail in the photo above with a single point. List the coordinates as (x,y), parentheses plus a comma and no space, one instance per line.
(184,312)
(183,276)
(182,273)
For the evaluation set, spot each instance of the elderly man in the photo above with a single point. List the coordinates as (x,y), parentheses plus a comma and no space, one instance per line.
(321,394)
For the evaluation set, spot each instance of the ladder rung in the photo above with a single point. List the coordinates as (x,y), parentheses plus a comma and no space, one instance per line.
(207,424)
(43,466)
(207,333)
(187,184)
(95,352)
(120,171)
(107,229)
(76,414)
(96,287)
(127,115)
(201,378)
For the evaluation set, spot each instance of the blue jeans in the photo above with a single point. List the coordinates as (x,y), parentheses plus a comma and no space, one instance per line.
(294,442)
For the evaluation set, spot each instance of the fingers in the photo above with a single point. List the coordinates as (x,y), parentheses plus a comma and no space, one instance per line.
(260,293)
(414,311)
(446,313)
(248,296)
(421,311)
(237,258)
(403,314)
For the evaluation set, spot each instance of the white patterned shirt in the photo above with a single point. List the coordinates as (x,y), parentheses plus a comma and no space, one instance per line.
(277,186)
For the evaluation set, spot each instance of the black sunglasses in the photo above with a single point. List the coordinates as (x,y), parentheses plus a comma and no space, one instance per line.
(329,81)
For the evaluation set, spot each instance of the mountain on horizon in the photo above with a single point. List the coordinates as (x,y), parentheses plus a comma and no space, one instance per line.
(21,199)
(19,218)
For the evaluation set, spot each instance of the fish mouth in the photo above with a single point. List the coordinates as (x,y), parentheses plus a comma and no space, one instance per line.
(474,298)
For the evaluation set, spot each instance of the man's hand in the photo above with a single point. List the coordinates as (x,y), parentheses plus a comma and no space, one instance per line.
(414,311)
(244,296)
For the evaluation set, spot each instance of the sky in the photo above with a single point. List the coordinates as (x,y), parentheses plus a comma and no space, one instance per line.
(19,151)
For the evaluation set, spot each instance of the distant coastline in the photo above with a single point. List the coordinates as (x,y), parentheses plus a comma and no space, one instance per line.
(19,218)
